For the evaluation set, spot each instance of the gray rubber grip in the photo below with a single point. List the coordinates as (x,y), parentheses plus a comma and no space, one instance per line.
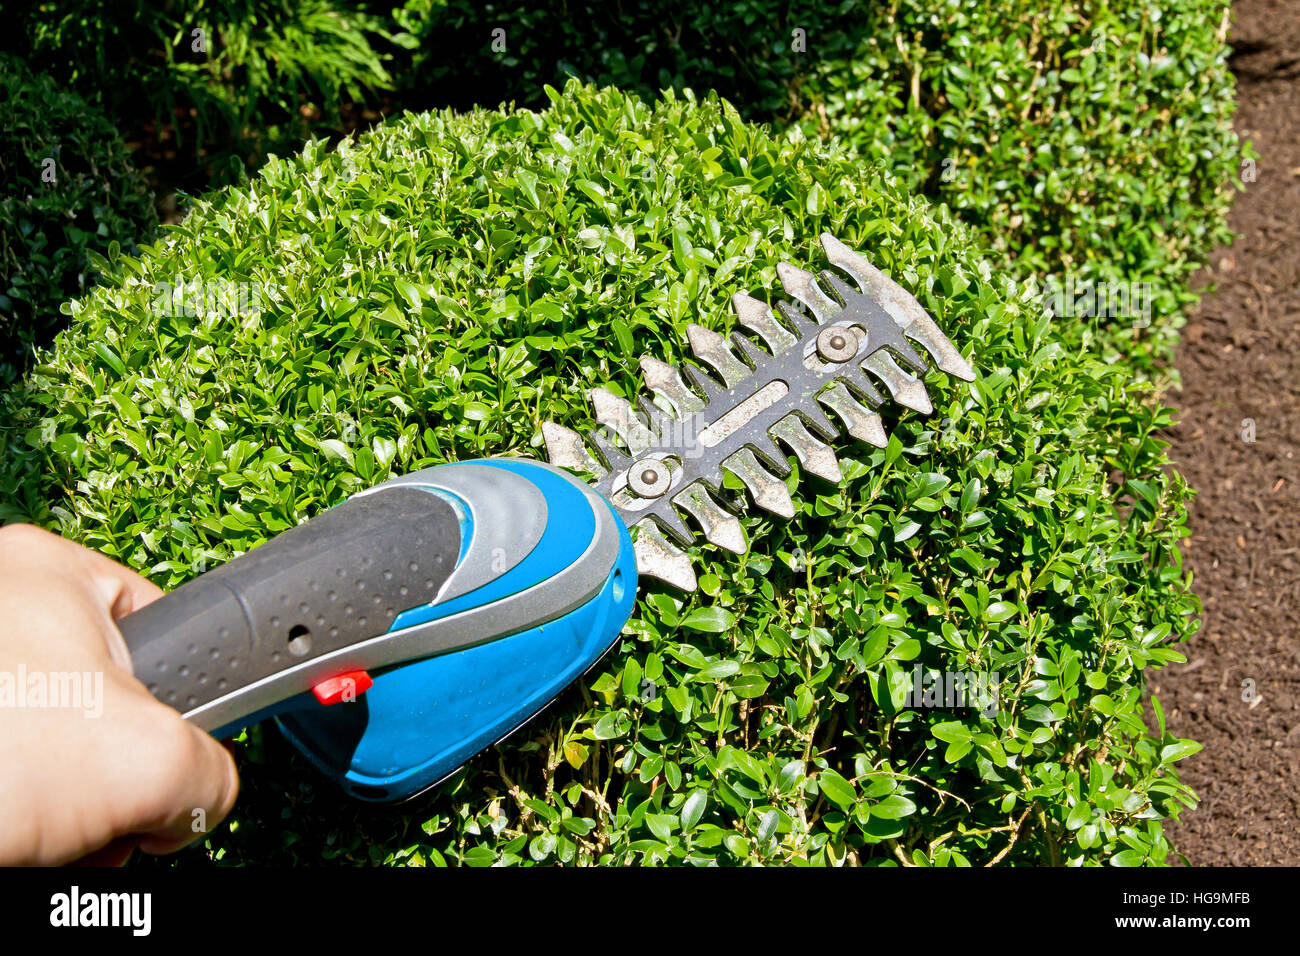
(338,579)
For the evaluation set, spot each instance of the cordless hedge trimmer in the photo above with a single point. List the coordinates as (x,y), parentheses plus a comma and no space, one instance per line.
(398,634)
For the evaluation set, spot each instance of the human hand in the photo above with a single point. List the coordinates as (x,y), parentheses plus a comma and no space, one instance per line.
(93,766)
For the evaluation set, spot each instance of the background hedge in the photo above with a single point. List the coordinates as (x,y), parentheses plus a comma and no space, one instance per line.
(53,233)
(446,283)
(216,85)
(1084,139)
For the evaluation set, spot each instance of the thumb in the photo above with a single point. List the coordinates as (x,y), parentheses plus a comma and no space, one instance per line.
(194,787)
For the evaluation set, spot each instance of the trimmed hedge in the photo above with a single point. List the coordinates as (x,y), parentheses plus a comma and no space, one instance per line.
(436,290)
(1089,142)
(54,234)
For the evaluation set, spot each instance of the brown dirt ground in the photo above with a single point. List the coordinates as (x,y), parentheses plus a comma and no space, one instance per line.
(1239,360)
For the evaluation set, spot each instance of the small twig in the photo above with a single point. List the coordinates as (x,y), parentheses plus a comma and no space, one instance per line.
(525,812)
(924,783)
(898,852)
(1015,835)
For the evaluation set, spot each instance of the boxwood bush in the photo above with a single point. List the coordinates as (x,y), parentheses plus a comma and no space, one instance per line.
(437,289)
(69,196)
(1088,143)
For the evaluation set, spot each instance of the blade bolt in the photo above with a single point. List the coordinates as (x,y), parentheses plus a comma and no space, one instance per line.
(839,343)
(649,478)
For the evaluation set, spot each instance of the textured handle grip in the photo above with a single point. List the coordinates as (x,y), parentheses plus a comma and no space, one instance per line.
(336,580)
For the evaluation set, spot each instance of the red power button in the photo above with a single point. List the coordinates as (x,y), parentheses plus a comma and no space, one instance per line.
(345,687)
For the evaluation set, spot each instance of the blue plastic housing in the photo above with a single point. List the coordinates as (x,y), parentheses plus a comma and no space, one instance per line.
(421,721)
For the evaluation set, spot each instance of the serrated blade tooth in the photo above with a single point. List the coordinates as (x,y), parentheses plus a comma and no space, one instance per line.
(769,492)
(907,389)
(670,521)
(749,349)
(617,413)
(757,317)
(863,423)
(565,448)
(702,380)
(656,558)
(864,390)
(817,417)
(719,525)
(614,456)
(815,457)
(662,379)
(661,423)
(802,286)
(711,347)
(765,448)
(901,305)
(800,320)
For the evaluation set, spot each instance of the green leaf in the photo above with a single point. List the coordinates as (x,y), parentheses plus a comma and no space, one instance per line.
(718,670)
(528,183)
(1178,750)
(391,314)
(606,728)
(335,449)
(894,807)
(713,620)
(749,686)
(631,684)
(693,809)
(838,790)
(999,611)
(1080,814)
(623,335)
(905,529)
(815,202)
(410,292)
(110,358)
(952,731)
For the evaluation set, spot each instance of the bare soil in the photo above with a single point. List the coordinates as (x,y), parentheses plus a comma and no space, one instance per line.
(1239,692)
